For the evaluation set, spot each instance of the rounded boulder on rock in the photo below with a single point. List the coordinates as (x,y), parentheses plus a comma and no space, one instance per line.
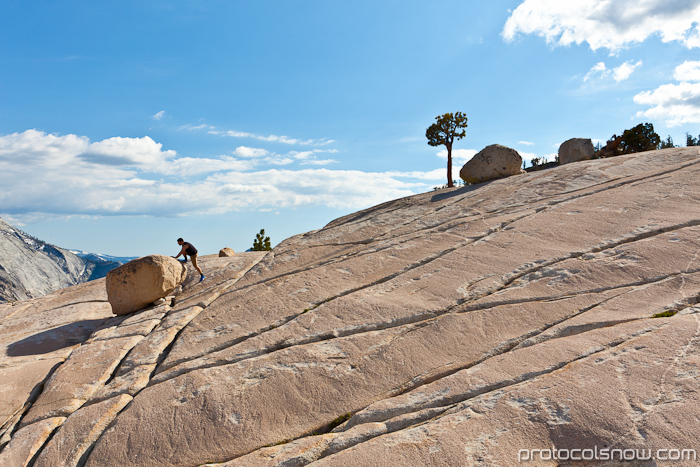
(224,252)
(576,149)
(490,163)
(138,283)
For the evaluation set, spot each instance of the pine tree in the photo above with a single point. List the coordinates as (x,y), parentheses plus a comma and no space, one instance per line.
(261,242)
(639,139)
(448,128)
(667,143)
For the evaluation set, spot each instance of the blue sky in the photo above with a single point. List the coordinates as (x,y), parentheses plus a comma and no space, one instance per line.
(124,125)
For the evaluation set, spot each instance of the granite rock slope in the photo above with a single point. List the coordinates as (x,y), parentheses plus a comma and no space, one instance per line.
(66,349)
(457,327)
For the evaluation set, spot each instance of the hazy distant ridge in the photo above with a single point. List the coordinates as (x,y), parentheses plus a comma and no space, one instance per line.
(30,267)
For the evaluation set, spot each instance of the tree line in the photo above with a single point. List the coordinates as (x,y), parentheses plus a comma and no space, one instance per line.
(639,139)
(450,127)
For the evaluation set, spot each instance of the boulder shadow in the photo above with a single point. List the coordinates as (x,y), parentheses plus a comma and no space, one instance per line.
(458,192)
(54,339)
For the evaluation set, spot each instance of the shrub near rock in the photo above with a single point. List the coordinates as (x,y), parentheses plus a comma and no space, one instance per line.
(490,163)
(138,283)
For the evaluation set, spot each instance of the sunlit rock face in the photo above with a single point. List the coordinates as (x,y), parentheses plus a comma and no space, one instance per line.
(467,326)
(491,163)
(134,285)
(575,150)
(30,268)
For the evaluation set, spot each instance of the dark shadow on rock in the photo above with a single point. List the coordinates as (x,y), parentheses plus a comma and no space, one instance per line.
(54,339)
(444,194)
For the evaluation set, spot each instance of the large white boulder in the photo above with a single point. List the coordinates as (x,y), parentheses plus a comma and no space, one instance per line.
(490,163)
(576,149)
(140,282)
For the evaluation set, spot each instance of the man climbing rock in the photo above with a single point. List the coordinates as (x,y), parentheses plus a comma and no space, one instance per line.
(189,250)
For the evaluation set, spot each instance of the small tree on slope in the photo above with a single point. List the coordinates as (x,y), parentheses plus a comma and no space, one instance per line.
(446,130)
(261,242)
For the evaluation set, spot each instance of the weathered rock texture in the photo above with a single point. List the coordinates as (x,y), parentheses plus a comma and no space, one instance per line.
(491,163)
(66,353)
(575,150)
(451,328)
(224,252)
(138,283)
(30,268)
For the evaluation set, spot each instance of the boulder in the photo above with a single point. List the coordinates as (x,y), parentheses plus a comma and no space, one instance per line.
(138,283)
(224,252)
(490,163)
(576,149)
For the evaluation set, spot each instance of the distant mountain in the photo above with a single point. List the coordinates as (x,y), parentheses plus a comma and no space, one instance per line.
(103,263)
(97,257)
(30,268)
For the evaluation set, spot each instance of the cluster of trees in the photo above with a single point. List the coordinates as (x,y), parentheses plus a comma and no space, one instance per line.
(639,139)
(689,140)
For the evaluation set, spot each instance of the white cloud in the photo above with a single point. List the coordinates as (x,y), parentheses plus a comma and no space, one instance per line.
(279,160)
(290,188)
(128,151)
(319,162)
(243,151)
(303,155)
(273,138)
(309,157)
(437,174)
(676,104)
(37,147)
(625,70)
(688,71)
(619,73)
(459,156)
(606,24)
(190,166)
(526,143)
(158,115)
(190,127)
(599,69)
(262,156)
(527,157)
(267,138)
(52,175)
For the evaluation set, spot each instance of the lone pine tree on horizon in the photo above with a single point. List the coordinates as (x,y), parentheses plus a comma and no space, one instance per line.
(445,130)
(261,242)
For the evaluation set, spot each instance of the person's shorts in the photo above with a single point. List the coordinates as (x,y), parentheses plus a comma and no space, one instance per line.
(193,258)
